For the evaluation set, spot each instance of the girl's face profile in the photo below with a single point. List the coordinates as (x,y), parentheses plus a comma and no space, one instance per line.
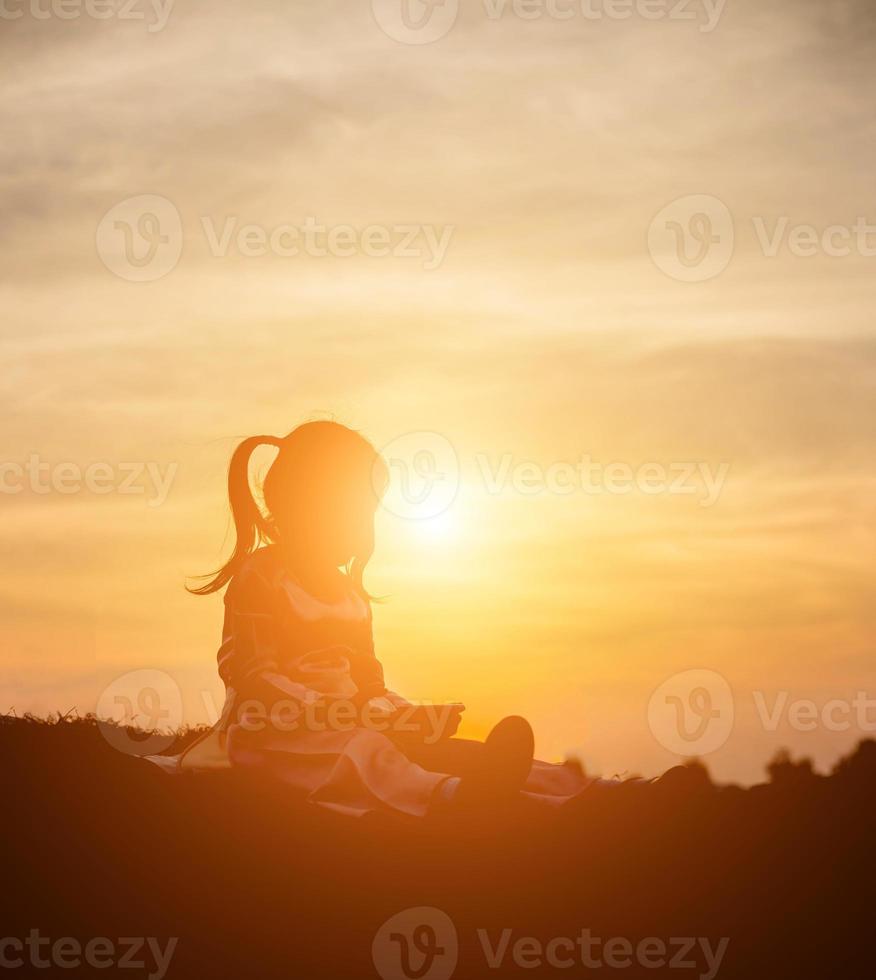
(329,523)
(321,495)
(343,527)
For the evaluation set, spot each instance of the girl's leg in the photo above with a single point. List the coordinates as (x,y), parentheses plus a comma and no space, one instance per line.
(494,769)
(355,772)
(455,756)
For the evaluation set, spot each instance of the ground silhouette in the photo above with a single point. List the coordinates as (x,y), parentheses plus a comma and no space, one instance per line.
(256,884)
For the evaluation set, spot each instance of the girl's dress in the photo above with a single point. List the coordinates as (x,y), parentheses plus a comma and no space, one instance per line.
(284,653)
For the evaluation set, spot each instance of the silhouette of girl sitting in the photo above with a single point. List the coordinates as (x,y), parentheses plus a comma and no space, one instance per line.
(305,694)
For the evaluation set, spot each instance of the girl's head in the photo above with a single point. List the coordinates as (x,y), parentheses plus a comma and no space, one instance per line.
(320,493)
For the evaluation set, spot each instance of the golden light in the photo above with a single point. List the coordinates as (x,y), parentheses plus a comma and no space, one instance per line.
(440,528)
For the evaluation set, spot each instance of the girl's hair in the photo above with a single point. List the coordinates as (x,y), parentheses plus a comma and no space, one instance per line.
(319,464)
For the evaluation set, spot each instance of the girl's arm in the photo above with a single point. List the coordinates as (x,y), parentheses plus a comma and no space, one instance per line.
(252,664)
(396,700)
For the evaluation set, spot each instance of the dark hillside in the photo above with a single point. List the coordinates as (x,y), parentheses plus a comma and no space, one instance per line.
(100,844)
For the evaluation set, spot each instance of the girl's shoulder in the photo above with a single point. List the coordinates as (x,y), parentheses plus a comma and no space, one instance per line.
(347,606)
(260,573)
(263,583)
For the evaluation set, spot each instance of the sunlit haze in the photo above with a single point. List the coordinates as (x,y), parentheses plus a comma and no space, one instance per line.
(625,475)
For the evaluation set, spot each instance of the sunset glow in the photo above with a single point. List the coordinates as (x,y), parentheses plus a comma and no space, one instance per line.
(722,517)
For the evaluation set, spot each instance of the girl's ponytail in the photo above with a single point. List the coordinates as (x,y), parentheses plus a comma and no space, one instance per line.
(251,527)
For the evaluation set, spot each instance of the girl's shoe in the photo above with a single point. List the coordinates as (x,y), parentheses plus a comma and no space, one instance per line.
(505,764)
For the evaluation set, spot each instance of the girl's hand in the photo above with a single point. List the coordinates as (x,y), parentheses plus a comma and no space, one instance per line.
(381,705)
(378,711)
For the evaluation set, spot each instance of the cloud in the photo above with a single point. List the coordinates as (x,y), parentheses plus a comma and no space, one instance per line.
(547,332)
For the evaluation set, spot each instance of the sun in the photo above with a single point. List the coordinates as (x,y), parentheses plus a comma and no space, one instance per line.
(438,528)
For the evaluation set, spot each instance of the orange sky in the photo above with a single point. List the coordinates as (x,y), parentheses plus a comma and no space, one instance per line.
(546,332)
